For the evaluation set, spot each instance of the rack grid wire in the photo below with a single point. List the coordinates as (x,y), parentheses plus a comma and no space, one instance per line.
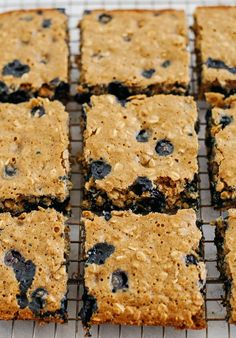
(215,312)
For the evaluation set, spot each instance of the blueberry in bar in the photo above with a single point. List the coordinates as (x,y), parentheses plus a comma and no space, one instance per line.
(221,143)
(215,48)
(34,156)
(34,61)
(33,267)
(129,52)
(156,281)
(140,153)
(225,241)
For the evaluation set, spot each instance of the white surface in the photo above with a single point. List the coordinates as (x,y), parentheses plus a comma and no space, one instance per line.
(217,326)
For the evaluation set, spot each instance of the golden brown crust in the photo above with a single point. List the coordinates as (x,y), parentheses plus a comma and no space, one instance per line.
(216,24)
(162,288)
(26,235)
(124,54)
(41,46)
(111,135)
(34,164)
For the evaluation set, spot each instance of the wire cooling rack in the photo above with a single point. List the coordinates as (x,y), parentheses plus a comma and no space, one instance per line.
(215,312)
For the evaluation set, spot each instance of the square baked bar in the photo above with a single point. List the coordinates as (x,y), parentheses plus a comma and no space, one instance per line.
(34,60)
(33,255)
(140,154)
(34,157)
(225,241)
(221,144)
(156,281)
(127,52)
(216,48)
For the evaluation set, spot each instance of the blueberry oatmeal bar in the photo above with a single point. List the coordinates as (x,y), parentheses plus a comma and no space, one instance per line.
(216,48)
(140,153)
(225,241)
(34,156)
(127,52)
(33,268)
(34,61)
(221,144)
(159,281)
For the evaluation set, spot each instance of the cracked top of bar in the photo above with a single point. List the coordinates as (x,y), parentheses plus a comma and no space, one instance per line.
(156,281)
(34,160)
(33,252)
(35,58)
(215,29)
(133,148)
(143,50)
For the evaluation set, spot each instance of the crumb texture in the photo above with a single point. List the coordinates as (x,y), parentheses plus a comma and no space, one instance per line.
(151,282)
(139,49)
(33,281)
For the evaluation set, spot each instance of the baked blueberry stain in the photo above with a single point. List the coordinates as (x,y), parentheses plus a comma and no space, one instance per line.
(118,89)
(38,111)
(191,260)
(87,12)
(99,253)
(38,300)
(218,64)
(15,68)
(155,203)
(166,63)
(104,18)
(119,280)
(143,135)
(24,271)
(9,170)
(46,23)
(88,309)
(226,120)
(141,185)
(164,147)
(55,82)
(148,73)
(3,88)
(99,169)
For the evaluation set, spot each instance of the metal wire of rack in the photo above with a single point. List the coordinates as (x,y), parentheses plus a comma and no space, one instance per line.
(215,313)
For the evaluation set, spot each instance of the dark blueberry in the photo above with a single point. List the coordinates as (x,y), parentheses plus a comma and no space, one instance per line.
(119,280)
(24,272)
(19,96)
(38,301)
(38,111)
(155,203)
(164,148)
(62,10)
(107,215)
(143,135)
(15,68)
(12,257)
(22,300)
(88,309)
(104,18)
(226,120)
(99,253)
(148,73)
(218,64)
(39,12)
(3,88)
(99,169)
(141,185)
(46,23)
(166,64)
(64,178)
(191,259)
(55,82)
(87,12)
(118,89)
(9,170)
